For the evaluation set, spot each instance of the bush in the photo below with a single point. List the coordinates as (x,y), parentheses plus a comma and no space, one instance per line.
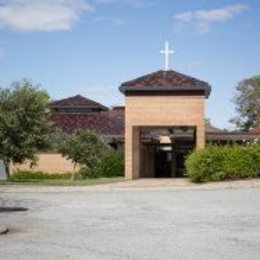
(84,147)
(111,164)
(217,163)
(38,175)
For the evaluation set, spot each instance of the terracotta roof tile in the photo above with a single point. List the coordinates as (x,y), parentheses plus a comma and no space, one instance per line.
(106,123)
(98,122)
(116,112)
(165,79)
(77,101)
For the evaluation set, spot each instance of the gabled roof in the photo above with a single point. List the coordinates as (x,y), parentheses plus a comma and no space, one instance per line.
(77,101)
(98,122)
(166,81)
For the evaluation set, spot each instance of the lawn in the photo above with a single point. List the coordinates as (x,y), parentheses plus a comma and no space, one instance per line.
(86,182)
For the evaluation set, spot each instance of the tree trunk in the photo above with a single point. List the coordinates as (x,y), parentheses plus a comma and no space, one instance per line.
(7,169)
(73,173)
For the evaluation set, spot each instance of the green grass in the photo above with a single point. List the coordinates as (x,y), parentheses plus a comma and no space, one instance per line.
(86,182)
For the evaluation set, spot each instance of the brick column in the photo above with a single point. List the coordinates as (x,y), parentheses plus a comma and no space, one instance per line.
(200,136)
(136,153)
(128,152)
(132,153)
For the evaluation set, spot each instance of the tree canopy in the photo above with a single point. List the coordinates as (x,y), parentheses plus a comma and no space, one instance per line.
(247,101)
(23,122)
(83,147)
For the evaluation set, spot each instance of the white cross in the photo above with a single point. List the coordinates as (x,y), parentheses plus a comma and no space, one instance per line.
(167,52)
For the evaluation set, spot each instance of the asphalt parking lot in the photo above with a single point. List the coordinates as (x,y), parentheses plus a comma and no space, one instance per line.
(132,224)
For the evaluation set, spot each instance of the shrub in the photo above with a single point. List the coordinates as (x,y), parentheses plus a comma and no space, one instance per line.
(111,164)
(38,175)
(217,163)
(83,147)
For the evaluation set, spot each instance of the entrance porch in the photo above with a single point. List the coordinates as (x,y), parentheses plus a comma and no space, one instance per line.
(164,120)
(163,151)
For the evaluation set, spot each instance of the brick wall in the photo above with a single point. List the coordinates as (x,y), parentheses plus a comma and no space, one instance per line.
(159,111)
(48,162)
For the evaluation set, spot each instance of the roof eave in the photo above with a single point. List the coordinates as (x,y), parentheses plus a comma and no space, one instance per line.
(207,89)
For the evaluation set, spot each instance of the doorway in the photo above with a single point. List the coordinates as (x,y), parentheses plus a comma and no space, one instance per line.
(163,151)
(163,164)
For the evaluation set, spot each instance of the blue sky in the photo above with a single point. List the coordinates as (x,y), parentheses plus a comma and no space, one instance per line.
(91,46)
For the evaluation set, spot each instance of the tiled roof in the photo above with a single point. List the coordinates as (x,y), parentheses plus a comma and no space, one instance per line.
(231,136)
(98,122)
(108,123)
(77,101)
(165,81)
(215,134)
(116,112)
(112,123)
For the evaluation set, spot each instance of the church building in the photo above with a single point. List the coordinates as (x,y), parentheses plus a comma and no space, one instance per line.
(162,121)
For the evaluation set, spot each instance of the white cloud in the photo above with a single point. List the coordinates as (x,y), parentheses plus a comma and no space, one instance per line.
(116,21)
(41,15)
(134,3)
(202,19)
(185,17)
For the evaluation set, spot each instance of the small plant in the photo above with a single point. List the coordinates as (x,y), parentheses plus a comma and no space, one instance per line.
(38,175)
(217,163)
(111,164)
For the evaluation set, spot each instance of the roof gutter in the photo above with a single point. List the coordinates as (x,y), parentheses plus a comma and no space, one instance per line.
(206,89)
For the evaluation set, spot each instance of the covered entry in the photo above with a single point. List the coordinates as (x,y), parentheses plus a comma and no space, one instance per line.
(163,151)
(164,120)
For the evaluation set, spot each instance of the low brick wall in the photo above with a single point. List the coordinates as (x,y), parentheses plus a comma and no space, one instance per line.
(47,162)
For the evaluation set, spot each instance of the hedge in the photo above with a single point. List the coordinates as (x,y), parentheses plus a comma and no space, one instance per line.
(218,163)
(111,164)
(38,175)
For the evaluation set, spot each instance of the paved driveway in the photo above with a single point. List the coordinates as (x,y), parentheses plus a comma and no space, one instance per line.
(132,224)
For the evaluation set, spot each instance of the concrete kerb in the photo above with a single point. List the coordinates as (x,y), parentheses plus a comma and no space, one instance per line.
(136,185)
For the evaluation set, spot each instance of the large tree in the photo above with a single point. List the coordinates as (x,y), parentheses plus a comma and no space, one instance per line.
(23,122)
(247,100)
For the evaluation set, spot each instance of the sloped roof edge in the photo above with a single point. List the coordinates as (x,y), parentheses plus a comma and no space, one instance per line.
(77,102)
(166,81)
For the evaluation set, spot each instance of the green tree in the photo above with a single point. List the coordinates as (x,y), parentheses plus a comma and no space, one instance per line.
(83,147)
(23,122)
(247,100)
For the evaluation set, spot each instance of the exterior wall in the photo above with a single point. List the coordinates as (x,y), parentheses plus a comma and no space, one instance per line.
(2,171)
(159,111)
(47,162)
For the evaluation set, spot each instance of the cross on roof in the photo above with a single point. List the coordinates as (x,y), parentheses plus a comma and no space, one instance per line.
(167,52)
